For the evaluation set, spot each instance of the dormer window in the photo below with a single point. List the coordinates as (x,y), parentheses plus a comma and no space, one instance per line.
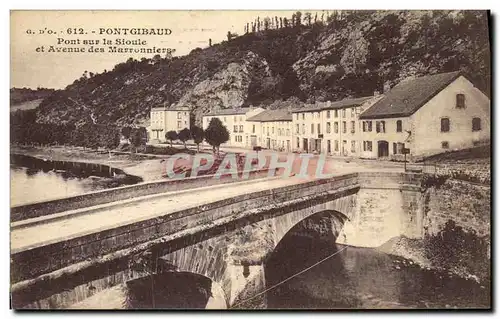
(460,101)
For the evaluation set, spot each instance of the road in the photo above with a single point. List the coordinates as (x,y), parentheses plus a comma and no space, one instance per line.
(131,211)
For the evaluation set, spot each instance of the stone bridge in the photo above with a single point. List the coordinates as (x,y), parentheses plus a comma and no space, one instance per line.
(225,238)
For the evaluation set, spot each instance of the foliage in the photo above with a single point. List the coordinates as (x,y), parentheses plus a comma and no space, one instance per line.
(139,137)
(171,136)
(453,246)
(198,135)
(216,134)
(20,95)
(184,135)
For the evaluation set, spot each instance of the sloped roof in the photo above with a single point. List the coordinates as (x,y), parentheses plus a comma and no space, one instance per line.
(349,102)
(231,111)
(163,108)
(272,116)
(408,96)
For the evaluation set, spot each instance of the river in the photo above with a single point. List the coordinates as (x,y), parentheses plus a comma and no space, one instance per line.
(362,278)
(33,179)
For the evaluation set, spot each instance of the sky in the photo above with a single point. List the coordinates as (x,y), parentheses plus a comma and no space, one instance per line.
(190,30)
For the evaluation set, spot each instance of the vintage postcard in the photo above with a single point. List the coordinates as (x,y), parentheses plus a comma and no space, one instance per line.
(322,159)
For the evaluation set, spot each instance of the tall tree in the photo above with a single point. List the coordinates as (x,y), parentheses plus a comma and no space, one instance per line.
(216,134)
(198,135)
(138,138)
(171,136)
(184,135)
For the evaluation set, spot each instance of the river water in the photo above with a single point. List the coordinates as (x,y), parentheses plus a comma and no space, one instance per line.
(362,278)
(34,179)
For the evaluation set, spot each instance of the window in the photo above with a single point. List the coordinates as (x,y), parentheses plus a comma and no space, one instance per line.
(352,112)
(399,126)
(253,128)
(476,124)
(344,127)
(298,142)
(235,128)
(179,124)
(336,127)
(460,101)
(272,130)
(369,126)
(353,146)
(394,148)
(367,146)
(336,113)
(343,113)
(327,114)
(241,118)
(235,119)
(380,126)
(303,116)
(364,126)
(297,116)
(312,128)
(241,128)
(328,127)
(298,128)
(328,147)
(445,124)
(319,128)
(353,129)
(445,145)
(178,115)
(336,146)
(303,129)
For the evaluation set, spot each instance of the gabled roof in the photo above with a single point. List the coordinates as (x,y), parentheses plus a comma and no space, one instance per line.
(410,95)
(272,116)
(349,102)
(231,111)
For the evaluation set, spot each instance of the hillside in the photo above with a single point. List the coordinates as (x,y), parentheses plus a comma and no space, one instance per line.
(18,96)
(350,55)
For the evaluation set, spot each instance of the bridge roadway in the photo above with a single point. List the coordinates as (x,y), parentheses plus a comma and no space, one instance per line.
(41,231)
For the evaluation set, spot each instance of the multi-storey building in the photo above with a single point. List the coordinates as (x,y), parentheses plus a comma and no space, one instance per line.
(165,119)
(426,116)
(235,121)
(330,127)
(272,129)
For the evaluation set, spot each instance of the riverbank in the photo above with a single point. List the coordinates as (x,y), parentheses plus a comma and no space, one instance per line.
(147,167)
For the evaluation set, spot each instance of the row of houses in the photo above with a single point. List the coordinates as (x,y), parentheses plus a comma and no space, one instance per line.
(419,116)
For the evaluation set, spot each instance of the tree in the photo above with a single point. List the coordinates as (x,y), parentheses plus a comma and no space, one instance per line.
(171,136)
(267,23)
(112,140)
(308,18)
(184,135)
(198,135)
(138,138)
(298,18)
(126,131)
(216,134)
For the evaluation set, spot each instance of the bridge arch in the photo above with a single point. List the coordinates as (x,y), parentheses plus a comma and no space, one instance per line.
(175,289)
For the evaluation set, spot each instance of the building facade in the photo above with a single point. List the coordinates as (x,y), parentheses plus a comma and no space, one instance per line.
(235,121)
(426,115)
(271,129)
(163,119)
(332,128)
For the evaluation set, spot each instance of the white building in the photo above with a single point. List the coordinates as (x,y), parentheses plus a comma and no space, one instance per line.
(427,115)
(235,120)
(271,129)
(165,119)
(330,127)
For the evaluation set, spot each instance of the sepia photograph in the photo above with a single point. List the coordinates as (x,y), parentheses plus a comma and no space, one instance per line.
(250,160)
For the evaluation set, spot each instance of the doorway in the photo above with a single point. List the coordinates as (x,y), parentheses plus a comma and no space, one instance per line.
(383,149)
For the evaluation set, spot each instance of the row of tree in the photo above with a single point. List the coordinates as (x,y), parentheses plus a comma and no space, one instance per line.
(26,131)
(215,135)
(297,19)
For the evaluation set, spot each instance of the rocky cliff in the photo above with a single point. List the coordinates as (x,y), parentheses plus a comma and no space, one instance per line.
(351,55)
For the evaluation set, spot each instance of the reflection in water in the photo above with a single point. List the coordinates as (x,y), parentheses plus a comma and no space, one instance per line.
(35,180)
(169,291)
(361,278)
